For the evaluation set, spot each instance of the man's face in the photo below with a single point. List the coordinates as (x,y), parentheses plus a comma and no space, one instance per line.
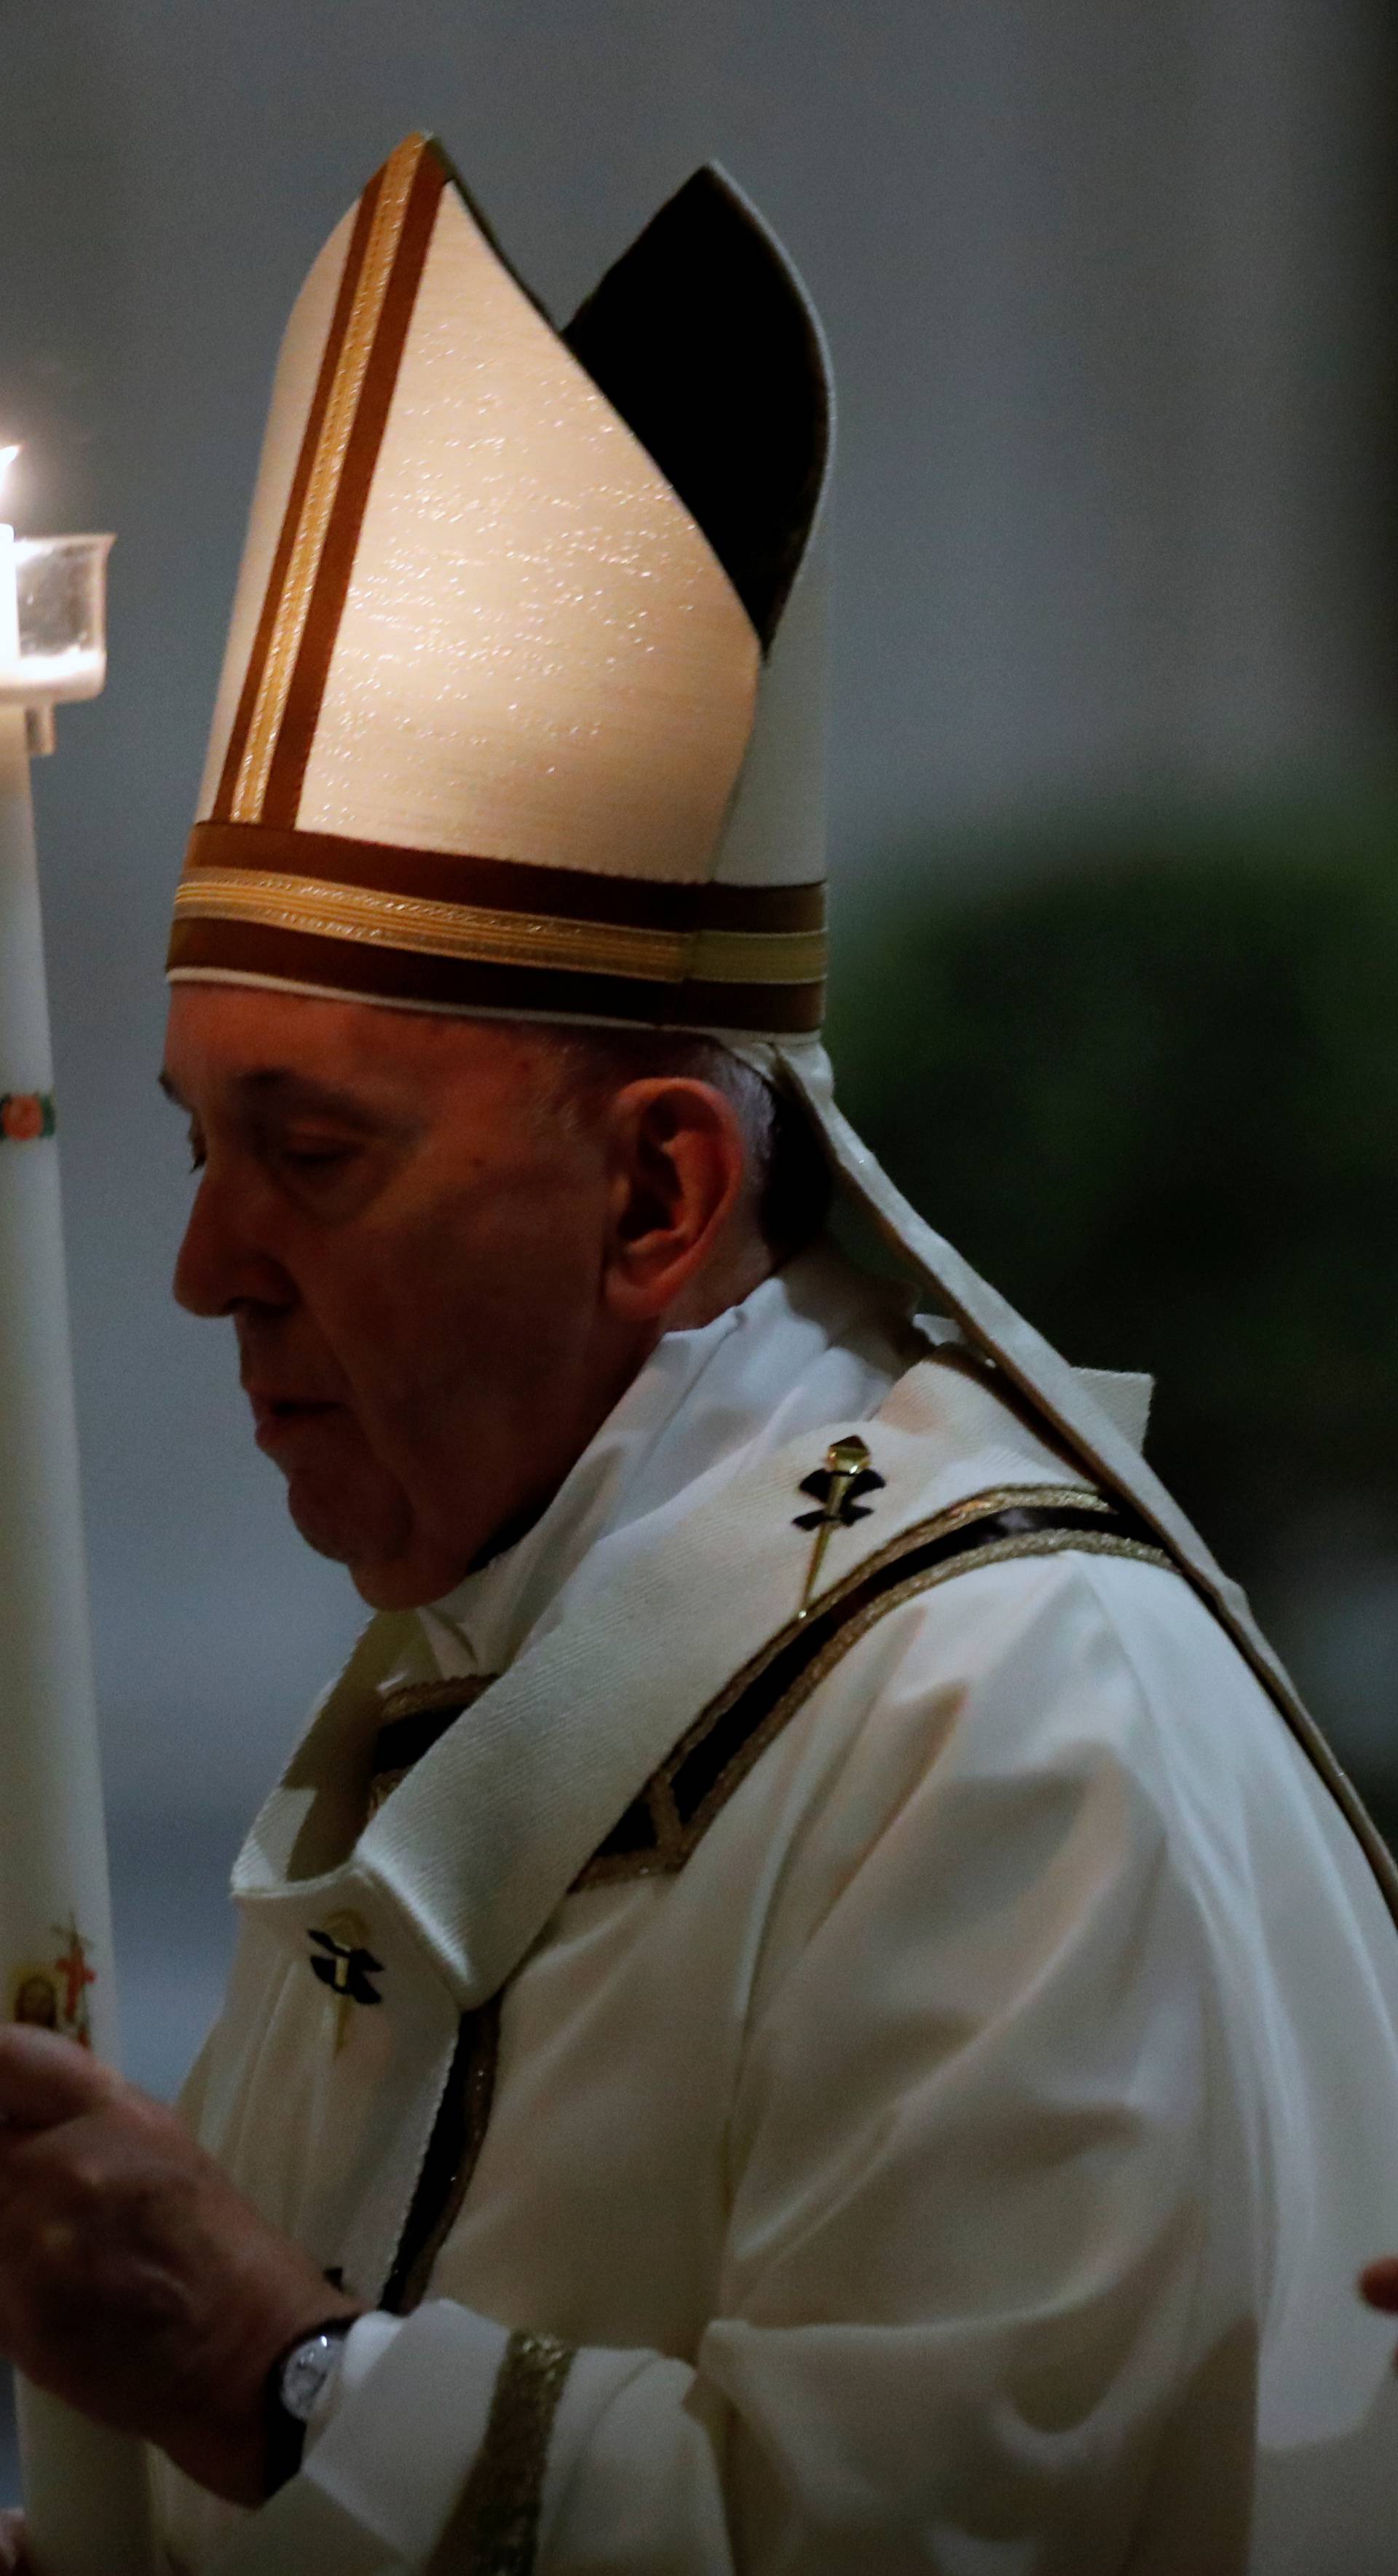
(412,1252)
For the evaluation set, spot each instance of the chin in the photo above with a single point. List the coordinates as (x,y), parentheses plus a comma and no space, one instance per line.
(407,1582)
(328,1522)
(389,1565)
(396,1587)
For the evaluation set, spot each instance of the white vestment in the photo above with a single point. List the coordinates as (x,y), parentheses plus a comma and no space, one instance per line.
(959,2159)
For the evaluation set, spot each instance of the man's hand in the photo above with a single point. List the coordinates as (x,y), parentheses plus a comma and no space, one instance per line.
(135,2283)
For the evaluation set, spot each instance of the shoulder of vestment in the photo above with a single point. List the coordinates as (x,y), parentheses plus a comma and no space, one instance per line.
(659,1631)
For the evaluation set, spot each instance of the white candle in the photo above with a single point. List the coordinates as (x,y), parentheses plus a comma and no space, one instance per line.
(9,590)
(85,2487)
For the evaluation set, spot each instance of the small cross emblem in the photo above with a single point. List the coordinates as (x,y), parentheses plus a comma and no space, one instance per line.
(341,1962)
(76,1974)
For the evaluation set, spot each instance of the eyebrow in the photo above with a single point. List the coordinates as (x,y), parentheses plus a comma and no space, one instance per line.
(282,1088)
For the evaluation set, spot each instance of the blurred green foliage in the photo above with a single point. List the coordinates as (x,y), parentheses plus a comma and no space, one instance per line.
(1150,1086)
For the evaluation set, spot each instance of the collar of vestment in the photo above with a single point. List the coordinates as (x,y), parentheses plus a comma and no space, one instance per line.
(482,1840)
(816,1340)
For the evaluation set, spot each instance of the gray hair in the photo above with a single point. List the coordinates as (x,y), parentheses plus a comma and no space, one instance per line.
(789,1180)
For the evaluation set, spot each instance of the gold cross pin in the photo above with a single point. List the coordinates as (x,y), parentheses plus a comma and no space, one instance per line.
(836,1487)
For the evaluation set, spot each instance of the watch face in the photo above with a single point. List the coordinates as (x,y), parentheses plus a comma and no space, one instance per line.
(305,2372)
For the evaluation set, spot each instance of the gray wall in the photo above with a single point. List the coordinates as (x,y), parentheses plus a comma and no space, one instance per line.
(1105,294)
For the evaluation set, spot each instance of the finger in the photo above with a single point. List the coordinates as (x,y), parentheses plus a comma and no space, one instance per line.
(12,2558)
(44,2078)
(1378,2283)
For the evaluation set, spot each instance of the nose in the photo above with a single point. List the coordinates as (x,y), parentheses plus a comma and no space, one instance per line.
(224,1262)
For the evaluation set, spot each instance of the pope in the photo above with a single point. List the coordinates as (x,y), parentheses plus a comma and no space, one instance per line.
(810,1998)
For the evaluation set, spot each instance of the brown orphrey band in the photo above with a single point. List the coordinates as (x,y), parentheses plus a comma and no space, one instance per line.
(449,930)
(279,705)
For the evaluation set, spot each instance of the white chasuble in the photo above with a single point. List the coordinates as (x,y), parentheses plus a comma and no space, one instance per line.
(908,2088)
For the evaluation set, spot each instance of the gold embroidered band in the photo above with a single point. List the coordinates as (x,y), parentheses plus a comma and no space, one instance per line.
(495,2527)
(679,1802)
(325,913)
(453,2152)
(491,938)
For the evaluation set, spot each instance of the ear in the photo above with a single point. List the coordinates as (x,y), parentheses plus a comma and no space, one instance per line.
(676,1170)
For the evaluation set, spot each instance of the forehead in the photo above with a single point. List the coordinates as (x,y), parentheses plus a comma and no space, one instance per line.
(224,1039)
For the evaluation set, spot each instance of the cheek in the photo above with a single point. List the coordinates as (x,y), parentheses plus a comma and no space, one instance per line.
(478,1296)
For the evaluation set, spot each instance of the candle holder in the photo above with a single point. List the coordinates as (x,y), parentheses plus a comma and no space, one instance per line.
(58,640)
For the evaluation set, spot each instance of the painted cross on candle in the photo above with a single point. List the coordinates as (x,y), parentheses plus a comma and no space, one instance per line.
(72,1966)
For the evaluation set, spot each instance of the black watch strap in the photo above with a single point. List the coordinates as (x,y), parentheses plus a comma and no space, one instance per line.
(285,2430)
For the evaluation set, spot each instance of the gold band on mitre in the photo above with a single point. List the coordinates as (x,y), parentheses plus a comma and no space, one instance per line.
(381,923)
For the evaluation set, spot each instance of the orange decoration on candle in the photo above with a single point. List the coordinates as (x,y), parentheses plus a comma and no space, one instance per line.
(25,1115)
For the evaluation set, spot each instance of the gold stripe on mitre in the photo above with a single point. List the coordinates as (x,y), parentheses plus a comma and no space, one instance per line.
(325,913)
(486,936)
(310,569)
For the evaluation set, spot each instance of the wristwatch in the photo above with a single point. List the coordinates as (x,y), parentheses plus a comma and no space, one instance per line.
(294,2383)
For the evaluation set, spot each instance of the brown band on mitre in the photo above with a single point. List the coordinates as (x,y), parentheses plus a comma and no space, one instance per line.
(450,931)
(483,936)
(307,687)
(233,759)
(206,949)
(285,683)
(504,885)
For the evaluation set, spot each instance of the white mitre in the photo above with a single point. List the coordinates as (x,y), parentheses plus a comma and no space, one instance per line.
(522,705)
(502,701)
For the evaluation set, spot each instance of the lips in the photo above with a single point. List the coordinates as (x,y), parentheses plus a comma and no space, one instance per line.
(279,1418)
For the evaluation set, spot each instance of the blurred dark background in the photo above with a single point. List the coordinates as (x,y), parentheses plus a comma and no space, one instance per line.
(1149,1083)
(1114,736)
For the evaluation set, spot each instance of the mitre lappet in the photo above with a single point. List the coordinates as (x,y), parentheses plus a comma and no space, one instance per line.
(522,705)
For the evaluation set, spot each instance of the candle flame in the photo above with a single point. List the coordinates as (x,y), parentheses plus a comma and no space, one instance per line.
(7,458)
